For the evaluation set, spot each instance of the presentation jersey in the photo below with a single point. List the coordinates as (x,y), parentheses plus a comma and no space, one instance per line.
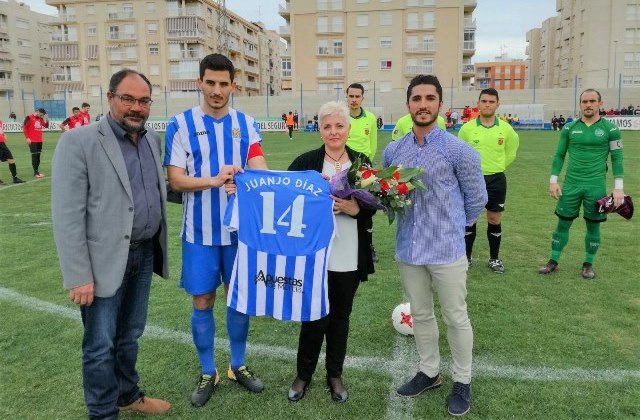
(588,147)
(285,227)
(404,125)
(201,145)
(497,145)
(363,136)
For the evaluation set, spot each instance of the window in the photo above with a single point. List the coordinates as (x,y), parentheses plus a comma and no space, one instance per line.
(95,90)
(362,65)
(385,85)
(130,52)
(91,9)
(24,43)
(285,66)
(362,1)
(322,24)
(93,71)
(386,42)
(386,19)
(385,64)
(362,20)
(633,12)
(322,69)
(152,28)
(428,20)
(154,70)
(151,8)
(362,42)
(428,43)
(412,21)
(336,24)
(26,77)
(323,49)
(337,46)
(154,50)
(22,24)
(128,10)
(92,30)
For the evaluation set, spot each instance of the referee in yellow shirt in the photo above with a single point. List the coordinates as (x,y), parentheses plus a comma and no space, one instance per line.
(497,143)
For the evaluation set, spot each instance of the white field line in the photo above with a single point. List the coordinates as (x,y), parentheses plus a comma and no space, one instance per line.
(402,367)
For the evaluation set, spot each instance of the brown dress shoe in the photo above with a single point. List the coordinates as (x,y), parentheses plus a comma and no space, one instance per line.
(146,405)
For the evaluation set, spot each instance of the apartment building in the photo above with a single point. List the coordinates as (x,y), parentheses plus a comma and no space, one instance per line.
(163,39)
(24,52)
(379,43)
(501,75)
(595,43)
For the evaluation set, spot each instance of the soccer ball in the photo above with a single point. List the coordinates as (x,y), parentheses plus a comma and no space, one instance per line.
(402,319)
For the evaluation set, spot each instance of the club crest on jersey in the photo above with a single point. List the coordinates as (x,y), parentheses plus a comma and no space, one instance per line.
(366,131)
(500,141)
(599,132)
(235,133)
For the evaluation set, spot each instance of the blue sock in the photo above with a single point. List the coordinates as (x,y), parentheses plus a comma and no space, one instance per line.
(238,329)
(203,328)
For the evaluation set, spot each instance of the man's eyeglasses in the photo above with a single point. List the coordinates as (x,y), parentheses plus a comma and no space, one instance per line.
(130,100)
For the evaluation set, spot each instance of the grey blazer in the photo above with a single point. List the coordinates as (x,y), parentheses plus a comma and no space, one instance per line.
(92,208)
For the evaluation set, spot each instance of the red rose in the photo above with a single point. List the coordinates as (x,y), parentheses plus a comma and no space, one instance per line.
(384,185)
(367,173)
(395,175)
(402,188)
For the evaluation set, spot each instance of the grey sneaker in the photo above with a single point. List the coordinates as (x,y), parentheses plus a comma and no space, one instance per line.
(460,399)
(204,389)
(419,384)
(587,272)
(549,267)
(496,266)
(246,378)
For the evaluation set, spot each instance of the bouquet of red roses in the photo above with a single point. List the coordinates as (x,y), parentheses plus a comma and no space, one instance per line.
(385,189)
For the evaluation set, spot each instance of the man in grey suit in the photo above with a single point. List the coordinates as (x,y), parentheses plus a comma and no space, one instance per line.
(109,221)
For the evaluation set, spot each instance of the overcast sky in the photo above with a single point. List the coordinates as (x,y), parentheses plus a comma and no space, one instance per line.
(502,26)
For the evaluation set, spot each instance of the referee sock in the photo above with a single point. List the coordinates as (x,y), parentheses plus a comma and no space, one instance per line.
(469,239)
(238,330)
(203,328)
(494,235)
(591,241)
(560,238)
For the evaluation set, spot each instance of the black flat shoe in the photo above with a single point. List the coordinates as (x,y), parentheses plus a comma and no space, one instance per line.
(294,395)
(337,395)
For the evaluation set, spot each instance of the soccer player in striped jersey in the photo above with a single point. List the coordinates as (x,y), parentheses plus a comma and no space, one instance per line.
(205,146)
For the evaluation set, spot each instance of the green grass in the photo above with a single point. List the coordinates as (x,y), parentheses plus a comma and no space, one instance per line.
(522,321)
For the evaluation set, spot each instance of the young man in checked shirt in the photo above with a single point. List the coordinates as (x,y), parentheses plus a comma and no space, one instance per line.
(430,247)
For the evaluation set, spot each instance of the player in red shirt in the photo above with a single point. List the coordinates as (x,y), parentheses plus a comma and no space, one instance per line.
(32,129)
(6,156)
(74,120)
(84,114)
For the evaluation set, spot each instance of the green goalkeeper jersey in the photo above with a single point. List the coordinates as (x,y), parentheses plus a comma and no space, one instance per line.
(588,147)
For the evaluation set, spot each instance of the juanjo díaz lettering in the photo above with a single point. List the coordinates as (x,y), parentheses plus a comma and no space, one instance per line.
(278,180)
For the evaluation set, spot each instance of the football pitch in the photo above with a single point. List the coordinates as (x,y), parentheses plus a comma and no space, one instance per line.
(547,347)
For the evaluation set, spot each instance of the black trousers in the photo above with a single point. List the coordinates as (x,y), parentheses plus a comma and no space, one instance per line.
(335,327)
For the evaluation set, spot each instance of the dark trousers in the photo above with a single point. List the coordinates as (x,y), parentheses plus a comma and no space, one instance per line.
(112,327)
(335,327)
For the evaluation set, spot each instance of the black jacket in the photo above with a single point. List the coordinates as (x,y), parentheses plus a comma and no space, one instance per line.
(314,160)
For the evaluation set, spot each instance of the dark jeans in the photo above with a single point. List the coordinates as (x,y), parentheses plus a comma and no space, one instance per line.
(112,327)
(335,327)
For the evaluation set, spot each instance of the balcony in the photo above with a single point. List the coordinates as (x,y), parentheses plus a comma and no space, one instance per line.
(61,77)
(186,55)
(65,18)
(121,36)
(121,56)
(4,28)
(186,11)
(63,38)
(418,69)
(329,51)
(283,11)
(183,75)
(469,23)
(420,48)
(468,48)
(251,53)
(285,31)
(249,84)
(470,5)
(468,69)
(324,29)
(330,73)
(128,15)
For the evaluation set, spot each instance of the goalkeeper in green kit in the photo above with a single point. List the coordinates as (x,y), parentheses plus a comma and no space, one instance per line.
(589,141)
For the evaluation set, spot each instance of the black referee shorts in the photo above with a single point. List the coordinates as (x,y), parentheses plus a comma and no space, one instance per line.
(496,191)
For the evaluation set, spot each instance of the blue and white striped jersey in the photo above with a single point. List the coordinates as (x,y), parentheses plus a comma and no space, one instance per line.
(285,227)
(201,145)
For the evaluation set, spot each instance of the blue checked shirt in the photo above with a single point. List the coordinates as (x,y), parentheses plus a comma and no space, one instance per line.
(431,231)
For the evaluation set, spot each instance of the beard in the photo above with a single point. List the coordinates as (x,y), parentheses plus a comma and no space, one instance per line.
(424,123)
(133,126)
